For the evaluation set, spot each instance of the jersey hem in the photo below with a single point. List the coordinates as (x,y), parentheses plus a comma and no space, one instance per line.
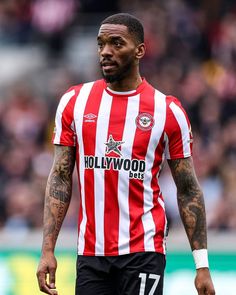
(63,143)
(180,156)
(115,254)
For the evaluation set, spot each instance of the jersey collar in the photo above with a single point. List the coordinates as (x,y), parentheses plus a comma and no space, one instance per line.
(126,93)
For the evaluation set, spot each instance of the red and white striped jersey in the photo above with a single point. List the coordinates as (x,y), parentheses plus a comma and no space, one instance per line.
(122,139)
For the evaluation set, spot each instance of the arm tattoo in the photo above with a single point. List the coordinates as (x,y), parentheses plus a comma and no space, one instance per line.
(190,202)
(58,193)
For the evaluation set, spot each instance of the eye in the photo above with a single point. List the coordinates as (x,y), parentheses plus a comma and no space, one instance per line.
(117,43)
(100,45)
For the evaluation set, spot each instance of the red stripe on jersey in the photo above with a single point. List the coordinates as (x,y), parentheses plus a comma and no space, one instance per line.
(111,216)
(80,215)
(136,188)
(173,131)
(89,140)
(158,213)
(68,135)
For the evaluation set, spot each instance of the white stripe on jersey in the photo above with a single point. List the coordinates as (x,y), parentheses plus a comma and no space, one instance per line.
(164,240)
(99,193)
(183,124)
(167,152)
(78,116)
(60,109)
(123,180)
(147,218)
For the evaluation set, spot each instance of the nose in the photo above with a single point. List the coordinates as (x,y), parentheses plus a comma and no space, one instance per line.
(106,50)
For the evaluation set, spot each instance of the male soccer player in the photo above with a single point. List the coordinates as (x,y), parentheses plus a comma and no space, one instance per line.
(118,130)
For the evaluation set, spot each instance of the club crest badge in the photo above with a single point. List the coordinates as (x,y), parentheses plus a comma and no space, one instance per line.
(145,121)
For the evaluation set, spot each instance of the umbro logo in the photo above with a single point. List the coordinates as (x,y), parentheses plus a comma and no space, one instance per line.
(90,117)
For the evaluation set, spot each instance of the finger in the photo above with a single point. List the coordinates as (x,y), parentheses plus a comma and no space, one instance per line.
(49,291)
(210,292)
(43,286)
(53,292)
(52,278)
(201,291)
(46,289)
(42,280)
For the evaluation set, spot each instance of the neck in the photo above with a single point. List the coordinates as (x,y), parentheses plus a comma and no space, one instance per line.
(127,84)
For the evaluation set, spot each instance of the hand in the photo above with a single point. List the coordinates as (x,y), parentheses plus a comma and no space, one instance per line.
(47,266)
(203,282)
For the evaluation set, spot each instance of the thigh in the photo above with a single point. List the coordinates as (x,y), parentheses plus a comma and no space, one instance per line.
(143,274)
(93,277)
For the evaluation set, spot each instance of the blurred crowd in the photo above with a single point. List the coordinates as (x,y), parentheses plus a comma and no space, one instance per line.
(191,54)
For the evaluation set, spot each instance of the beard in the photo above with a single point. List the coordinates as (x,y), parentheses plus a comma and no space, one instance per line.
(121,73)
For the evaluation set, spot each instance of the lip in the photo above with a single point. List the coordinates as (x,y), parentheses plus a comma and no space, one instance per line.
(108,67)
(106,62)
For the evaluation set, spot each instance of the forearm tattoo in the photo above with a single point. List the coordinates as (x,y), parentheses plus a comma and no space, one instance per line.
(58,193)
(190,202)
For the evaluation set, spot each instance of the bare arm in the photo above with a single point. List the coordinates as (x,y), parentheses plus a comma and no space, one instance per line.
(192,212)
(57,200)
(58,194)
(190,202)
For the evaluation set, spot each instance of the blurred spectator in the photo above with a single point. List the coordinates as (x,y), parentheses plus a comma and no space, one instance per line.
(224,217)
(51,18)
(25,116)
(23,206)
(15,21)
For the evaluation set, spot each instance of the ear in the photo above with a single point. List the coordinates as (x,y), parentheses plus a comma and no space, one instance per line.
(140,50)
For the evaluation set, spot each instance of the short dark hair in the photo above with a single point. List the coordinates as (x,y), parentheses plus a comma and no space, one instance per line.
(133,24)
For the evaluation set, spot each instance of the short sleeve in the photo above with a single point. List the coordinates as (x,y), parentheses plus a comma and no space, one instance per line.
(64,131)
(178,135)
